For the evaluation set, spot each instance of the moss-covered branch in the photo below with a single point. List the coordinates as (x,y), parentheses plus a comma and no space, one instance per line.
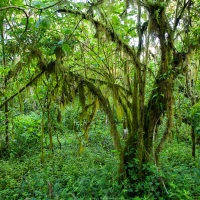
(29,83)
(113,36)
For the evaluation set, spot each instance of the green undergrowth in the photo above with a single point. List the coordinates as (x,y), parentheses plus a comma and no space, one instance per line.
(181,171)
(92,173)
(69,175)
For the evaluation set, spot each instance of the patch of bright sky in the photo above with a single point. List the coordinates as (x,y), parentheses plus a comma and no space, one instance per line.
(84,1)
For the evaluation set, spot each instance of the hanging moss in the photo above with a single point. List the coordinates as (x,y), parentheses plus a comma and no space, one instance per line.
(82,98)
(59,116)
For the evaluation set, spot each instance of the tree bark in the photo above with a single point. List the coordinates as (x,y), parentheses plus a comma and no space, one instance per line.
(193,142)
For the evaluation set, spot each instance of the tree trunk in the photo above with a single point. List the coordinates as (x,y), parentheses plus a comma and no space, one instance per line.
(6,109)
(193,142)
(50,127)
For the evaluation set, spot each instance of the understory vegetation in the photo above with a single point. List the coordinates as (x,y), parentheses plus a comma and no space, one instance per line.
(93,174)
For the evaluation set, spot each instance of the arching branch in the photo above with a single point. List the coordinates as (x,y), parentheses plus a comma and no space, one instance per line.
(114,37)
(47,7)
(178,17)
(107,109)
(17,8)
(44,69)
(22,89)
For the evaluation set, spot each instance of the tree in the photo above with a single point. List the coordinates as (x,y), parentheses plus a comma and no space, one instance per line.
(125,55)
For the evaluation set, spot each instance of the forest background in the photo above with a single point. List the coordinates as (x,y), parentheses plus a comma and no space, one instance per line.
(99,99)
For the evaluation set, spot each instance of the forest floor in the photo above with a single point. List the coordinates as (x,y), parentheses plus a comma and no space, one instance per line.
(67,174)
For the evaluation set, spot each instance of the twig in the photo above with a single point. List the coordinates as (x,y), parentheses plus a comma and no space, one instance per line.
(18,8)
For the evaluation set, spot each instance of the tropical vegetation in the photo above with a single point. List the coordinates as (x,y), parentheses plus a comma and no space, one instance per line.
(99,99)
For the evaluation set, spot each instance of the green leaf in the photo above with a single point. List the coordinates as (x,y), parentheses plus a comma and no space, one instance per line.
(38,4)
(43,23)
(66,31)
(115,20)
(24,21)
(95,65)
(66,48)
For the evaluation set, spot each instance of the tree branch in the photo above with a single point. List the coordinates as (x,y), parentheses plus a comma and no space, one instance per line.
(109,31)
(17,8)
(178,17)
(28,84)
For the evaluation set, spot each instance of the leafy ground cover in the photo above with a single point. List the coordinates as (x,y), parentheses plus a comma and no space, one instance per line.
(92,174)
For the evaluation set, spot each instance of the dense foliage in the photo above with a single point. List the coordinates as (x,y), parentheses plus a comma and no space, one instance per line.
(99,99)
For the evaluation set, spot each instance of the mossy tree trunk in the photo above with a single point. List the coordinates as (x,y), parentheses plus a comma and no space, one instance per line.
(6,107)
(144,115)
(146,118)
